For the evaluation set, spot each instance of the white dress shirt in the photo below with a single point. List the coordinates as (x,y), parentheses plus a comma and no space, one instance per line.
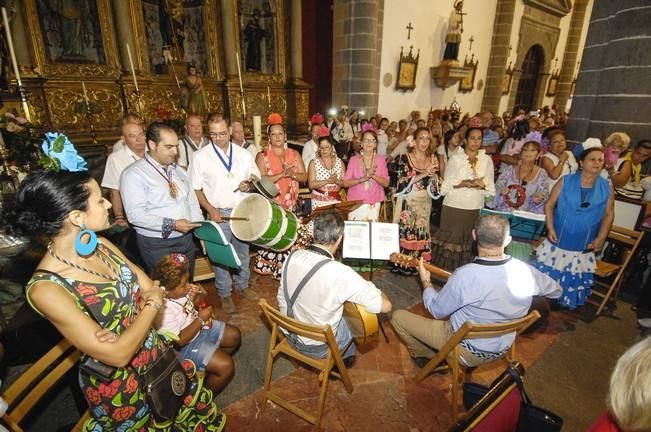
(209,174)
(187,147)
(322,299)
(147,201)
(458,169)
(116,163)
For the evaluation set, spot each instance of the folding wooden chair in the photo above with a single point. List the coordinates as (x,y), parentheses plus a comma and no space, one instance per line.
(498,410)
(202,269)
(450,352)
(23,394)
(610,276)
(278,345)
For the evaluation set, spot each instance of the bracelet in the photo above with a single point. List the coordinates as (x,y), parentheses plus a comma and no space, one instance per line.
(203,323)
(153,303)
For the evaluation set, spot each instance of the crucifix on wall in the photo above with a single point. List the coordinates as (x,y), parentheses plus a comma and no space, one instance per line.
(409,29)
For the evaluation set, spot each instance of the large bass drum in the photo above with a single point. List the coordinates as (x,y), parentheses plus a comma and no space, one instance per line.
(268,224)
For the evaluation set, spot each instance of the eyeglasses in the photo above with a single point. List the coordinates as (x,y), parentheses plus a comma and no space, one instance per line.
(369,141)
(218,134)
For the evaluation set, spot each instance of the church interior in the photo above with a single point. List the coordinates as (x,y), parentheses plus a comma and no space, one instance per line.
(81,67)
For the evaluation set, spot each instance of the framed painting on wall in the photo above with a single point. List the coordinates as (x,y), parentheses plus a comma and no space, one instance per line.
(407,68)
(507,79)
(552,85)
(258,30)
(467,84)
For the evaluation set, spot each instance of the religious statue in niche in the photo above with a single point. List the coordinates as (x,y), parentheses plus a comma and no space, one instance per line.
(195,98)
(257,35)
(453,36)
(71,31)
(175,34)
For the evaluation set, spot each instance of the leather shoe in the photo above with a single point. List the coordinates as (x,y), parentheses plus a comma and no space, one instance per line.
(249,294)
(228,305)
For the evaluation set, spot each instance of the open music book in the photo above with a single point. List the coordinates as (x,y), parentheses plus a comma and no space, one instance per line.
(218,249)
(370,240)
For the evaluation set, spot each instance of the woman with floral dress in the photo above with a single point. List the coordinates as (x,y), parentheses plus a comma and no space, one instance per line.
(99,301)
(416,170)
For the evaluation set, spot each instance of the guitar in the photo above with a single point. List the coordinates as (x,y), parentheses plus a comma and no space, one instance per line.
(409,261)
(362,324)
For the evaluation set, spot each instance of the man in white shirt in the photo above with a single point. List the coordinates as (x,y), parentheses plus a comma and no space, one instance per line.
(129,118)
(160,201)
(219,174)
(134,137)
(310,147)
(322,296)
(237,137)
(493,289)
(192,141)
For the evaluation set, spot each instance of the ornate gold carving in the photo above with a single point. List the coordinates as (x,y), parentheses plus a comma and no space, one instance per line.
(67,108)
(45,67)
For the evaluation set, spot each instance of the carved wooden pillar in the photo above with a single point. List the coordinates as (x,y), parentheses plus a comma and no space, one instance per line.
(298,90)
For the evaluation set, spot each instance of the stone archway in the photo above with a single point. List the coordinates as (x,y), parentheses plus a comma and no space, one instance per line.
(540,29)
(530,75)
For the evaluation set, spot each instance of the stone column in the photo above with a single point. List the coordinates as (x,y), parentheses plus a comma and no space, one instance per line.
(613,87)
(296,41)
(571,54)
(357,51)
(498,59)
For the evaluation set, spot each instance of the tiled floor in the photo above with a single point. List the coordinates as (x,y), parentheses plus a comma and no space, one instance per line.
(385,396)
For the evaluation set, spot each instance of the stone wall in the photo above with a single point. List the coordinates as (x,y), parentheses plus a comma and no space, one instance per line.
(613,88)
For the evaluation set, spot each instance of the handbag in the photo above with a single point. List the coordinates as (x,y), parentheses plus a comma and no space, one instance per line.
(532,418)
(165,385)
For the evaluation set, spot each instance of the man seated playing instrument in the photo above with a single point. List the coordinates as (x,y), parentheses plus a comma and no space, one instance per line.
(494,288)
(321,298)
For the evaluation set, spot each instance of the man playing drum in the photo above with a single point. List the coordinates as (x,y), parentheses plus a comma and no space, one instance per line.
(323,291)
(219,174)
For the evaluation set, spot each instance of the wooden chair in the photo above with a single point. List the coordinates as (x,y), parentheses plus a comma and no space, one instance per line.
(610,276)
(498,410)
(278,345)
(450,352)
(23,394)
(202,269)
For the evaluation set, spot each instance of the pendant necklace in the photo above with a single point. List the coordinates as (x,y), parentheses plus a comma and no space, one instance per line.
(167,175)
(226,165)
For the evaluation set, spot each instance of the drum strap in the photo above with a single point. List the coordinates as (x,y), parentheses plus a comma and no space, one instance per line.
(301,285)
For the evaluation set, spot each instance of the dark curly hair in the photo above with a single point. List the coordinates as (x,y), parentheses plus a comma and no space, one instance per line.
(170,272)
(43,201)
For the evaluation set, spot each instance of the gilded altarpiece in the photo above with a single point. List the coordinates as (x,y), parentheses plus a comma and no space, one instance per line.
(100,61)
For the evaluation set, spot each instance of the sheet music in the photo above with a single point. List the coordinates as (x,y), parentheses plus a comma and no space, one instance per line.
(362,238)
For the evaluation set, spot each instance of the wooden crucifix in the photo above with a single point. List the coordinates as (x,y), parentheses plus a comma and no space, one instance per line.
(409,29)
(471,40)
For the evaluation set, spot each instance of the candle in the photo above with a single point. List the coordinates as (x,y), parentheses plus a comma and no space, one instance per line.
(239,71)
(83,86)
(257,132)
(269,98)
(243,107)
(12,54)
(133,70)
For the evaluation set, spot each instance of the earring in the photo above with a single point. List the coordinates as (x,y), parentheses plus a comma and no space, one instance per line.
(86,249)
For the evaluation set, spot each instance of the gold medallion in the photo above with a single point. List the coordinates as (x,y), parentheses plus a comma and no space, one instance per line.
(173,190)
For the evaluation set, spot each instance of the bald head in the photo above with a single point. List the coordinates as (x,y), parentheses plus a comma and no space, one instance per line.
(237,133)
(194,127)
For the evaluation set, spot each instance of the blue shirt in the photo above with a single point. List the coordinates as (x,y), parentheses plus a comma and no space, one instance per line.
(492,292)
(490,137)
(147,200)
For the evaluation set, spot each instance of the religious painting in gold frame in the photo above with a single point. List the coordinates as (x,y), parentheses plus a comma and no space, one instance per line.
(175,30)
(467,84)
(507,79)
(72,38)
(552,84)
(573,87)
(258,22)
(407,68)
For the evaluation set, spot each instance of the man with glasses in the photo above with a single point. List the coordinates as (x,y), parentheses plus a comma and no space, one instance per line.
(219,174)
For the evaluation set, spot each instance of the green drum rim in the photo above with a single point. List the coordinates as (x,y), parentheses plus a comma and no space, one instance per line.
(289,236)
(277,214)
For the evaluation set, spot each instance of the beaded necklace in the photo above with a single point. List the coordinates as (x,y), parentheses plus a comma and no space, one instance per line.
(99,255)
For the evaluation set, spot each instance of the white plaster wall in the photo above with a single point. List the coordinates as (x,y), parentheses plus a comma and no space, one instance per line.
(429,19)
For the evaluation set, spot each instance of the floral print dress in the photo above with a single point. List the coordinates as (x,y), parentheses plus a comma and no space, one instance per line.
(412,210)
(120,404)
